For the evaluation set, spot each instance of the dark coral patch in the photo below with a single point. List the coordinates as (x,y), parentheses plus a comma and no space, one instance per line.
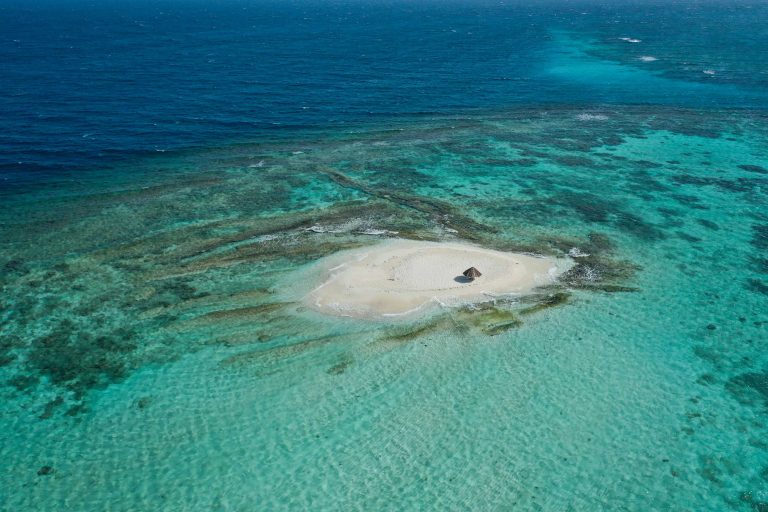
(760,236)
(757,286)
(636,226)
(760,265)
(7,344)
(339,367)
(574,161)
(688,238)
(689,201)
(598,273)
(45,471)
(23,383)
(600,242)
(588,206)
(670,212)
(50,407)
(143,402)
(77,360)
(750,388)
(754,168)
(708,224)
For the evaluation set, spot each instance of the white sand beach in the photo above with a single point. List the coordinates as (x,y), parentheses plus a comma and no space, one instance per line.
(401,277)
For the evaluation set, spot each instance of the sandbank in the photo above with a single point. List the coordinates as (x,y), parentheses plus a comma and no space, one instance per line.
(402,277)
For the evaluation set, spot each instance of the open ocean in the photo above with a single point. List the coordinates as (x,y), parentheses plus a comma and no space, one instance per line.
(170,170)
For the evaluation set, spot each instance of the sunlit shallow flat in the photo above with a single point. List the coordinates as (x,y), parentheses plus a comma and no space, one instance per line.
(402,277)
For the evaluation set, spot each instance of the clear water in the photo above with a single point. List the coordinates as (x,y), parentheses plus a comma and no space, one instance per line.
(155,354)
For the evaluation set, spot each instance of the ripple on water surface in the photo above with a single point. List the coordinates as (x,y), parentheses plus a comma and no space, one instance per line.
(155,349)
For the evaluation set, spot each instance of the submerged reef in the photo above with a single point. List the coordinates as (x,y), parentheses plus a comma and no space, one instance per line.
(113,276)
(164,295)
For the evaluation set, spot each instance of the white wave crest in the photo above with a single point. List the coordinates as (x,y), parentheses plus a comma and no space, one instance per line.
(376,232)
(591,117)
(575,252)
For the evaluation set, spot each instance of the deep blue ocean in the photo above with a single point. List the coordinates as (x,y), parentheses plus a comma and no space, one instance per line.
(178,176)
(85,83)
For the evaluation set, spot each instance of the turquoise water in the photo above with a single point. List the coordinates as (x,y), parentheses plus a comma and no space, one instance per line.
(155,353)
(160,359)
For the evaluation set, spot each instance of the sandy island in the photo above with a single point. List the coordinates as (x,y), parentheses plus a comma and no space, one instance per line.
(401,277)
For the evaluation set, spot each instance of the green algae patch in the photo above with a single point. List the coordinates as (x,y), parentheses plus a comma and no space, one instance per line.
(340,367)
(546,302)
(274,353)
(247,312)
(408,333)
(496,329)
(475,320)
(487,319)
(271,356)
(468,321)
(223,320)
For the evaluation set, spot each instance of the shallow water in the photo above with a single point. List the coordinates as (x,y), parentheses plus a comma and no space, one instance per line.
(158,355)
(155,354)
